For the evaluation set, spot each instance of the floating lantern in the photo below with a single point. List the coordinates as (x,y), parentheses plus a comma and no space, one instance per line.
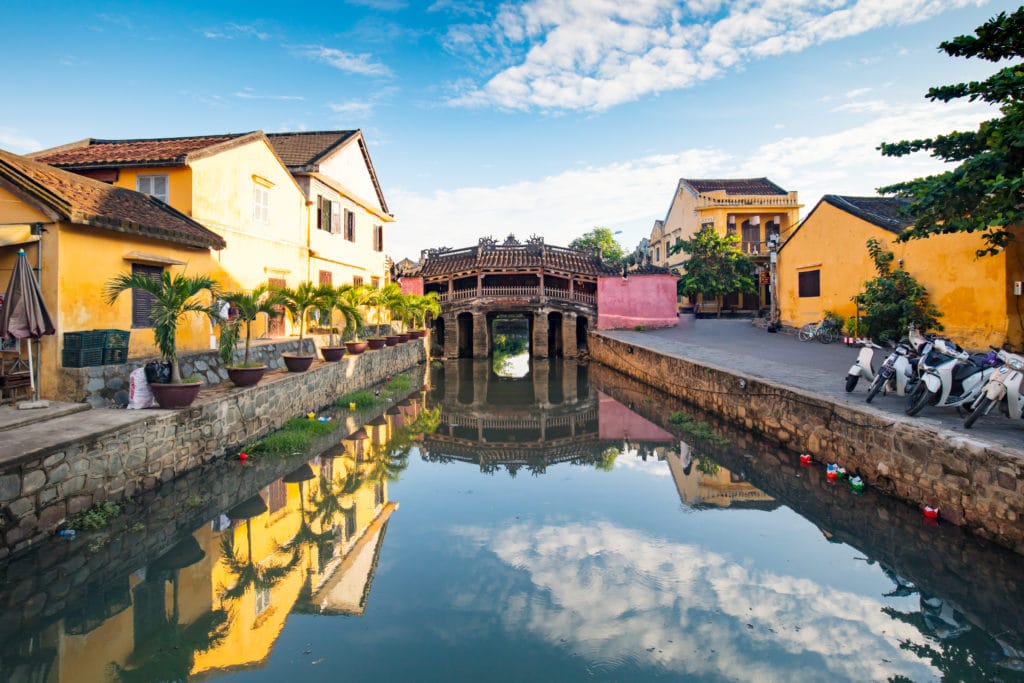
(841,473)
(805,458)
(857,484)
(832,472)
(243,457)
(930,512)
(311,416)
(352,406)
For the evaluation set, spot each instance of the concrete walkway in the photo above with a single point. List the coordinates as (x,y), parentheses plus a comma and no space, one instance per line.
(784,359)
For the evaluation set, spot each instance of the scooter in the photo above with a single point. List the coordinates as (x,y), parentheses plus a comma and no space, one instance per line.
(950,377)
(898,372)
(864,367)
(1003,388)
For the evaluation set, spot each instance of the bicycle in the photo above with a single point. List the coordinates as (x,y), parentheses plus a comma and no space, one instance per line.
(825,331)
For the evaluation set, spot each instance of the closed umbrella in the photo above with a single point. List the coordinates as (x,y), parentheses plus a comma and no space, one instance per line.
(24,313)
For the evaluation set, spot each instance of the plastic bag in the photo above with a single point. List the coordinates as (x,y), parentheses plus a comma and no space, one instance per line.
(140,396)
(158,373)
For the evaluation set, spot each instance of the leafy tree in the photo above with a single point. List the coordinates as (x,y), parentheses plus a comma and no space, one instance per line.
(985,192)
(602,241)
(894,299)
(249,305)
(716,266)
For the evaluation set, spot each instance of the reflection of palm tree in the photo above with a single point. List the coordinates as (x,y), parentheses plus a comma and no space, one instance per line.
(305,535)
(261,576)
(327,501)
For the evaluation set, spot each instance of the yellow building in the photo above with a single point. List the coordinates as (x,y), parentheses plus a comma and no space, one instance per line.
(91,231)
(754,209)
(825,262)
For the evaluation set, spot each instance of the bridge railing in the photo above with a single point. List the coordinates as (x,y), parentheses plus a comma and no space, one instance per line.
(518,292)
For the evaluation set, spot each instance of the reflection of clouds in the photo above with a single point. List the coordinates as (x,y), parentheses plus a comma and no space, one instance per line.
(615,595)
(630,460)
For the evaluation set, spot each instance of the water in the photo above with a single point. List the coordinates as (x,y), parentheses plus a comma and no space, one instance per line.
(539,529)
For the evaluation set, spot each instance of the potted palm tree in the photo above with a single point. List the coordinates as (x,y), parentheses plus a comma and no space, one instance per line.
(356,297)
(334,299)
(400,308)
(300,301)
(249,306)
(421,305)
(172,298)
(388,299)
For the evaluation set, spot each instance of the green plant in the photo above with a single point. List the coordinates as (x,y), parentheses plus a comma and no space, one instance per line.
(362,398)
(193,501)
(300,301)
(696,428)
(96,517)
(357,297)
(893,300)
(297,435)
(421,305)
(136,528)
(640,328)
(606,462)
(171,298)
(385,299)
(834,319)
(715,267)
(600,241)
(851,328)
(398,384)
(260,300)
(336,299)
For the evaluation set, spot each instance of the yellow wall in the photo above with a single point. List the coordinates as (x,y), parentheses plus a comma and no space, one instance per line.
(179,183)
(966,289)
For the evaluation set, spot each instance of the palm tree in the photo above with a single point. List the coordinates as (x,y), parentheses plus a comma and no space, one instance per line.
(423,304)
(299,301)
(338,299)
(384,299)
(356,297)
(250,305)
(172,297)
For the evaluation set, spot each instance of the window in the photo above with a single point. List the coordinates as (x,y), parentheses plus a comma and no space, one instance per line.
(357,280)
(375,282)
(153,185)
(260,203)
(378,495)
(142,302)
(328,217)
(326,277)
(378,238)
(350,226)
(350,522)
(809,283)
(657,253)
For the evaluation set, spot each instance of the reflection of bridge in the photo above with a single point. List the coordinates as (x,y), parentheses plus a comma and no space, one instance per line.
(554,288)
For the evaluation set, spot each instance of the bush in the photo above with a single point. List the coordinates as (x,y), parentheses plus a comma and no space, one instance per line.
(96,517)
(297,435)
(893,300)
(362,398)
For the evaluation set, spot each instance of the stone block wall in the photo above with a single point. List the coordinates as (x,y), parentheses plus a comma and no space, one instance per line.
(103,386)
(38,491)
(974,483)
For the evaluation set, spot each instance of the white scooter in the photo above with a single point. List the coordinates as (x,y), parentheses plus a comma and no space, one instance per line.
(864,367)
(898,372)
(950,377)
(1004,387)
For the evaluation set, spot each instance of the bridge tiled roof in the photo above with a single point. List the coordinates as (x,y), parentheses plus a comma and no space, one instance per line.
(513,257)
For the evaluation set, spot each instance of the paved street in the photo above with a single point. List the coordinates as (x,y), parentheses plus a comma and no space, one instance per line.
(783,358)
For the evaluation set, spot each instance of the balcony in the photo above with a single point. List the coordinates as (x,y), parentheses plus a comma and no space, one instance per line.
(788,201)
(518,292)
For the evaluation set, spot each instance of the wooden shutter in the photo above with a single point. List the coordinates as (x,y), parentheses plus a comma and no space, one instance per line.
(335,218)
(326,277)
(350,226)
(142,302)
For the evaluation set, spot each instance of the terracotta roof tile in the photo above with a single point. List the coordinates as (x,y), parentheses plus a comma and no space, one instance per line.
(306,148)
(90,202)
(749,186)
(514,257)
(157,151)
(885,212)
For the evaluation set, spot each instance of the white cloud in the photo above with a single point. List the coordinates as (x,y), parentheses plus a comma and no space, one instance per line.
(362,64)
(250,94)
(232,30)
(611,594)
(359,109)
(16,141)
(864,106)
(587,55)
(857,92)
(382,5)
(630,195)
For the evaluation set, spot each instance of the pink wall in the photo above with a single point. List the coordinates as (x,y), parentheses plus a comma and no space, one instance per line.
(411,285)
(648,300)
(616,422)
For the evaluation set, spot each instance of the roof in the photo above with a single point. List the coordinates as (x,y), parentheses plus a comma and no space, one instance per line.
(745,186)
(93,153)
(512,256)
(885,212)
(306,148)
(89,202)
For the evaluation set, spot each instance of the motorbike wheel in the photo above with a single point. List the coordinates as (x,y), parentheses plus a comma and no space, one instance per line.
(918,399)
(851,382)
(983,407)
(876,388)
(806,332)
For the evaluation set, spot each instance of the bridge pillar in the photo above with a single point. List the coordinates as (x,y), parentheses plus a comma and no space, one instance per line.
(451,335)
(569,349)
(481,338)
(541,377)
(569,379)
(539,345)
(481,383)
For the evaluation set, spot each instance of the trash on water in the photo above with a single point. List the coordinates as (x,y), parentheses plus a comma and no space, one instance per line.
(857,484)
(931,512)
(805,458)
(242,456)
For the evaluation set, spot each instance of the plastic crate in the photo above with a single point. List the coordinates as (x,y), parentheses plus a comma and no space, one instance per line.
(115,339)
(81,358)
(76,341)
(114,356)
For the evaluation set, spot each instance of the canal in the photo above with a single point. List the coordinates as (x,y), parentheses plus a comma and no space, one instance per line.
(516,520)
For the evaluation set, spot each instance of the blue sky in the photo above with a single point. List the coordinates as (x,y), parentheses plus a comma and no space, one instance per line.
(535,116)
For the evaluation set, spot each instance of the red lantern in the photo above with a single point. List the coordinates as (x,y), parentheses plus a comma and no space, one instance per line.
(930,512)
(243,457)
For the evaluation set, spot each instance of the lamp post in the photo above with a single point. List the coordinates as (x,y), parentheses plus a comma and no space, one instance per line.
(773,258)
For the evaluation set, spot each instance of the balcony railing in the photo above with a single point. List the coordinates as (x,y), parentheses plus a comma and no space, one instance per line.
(518,292)
(779,200)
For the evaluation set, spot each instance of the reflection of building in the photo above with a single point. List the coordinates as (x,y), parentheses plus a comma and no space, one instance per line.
(702,482)
(218,600)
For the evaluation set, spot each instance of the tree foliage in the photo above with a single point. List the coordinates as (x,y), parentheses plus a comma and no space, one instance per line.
(985,192)
(894,299)
(602,241)
(716,266)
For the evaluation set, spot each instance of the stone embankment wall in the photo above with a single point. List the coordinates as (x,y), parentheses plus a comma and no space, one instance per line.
(40,490)
(103,386)
(974,483)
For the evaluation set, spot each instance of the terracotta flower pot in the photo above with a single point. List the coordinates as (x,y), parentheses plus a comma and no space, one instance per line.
(297,363)
(355,348)
(332,354)
(173,396)
(391,340)
(246,377)
(376,343)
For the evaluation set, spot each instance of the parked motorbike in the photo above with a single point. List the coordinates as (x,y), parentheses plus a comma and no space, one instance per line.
(898,372)
(1003,389)
(864,367)
(950,377)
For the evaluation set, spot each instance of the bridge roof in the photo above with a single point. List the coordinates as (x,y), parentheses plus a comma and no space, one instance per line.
(512,256)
